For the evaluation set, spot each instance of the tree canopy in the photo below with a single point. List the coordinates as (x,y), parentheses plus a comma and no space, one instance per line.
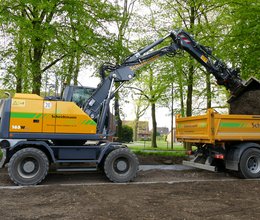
(45,41)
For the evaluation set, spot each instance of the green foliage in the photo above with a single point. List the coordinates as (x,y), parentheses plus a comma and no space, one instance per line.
(161,153)
(162,145)
(231,28)
(48,33)
(57,38)
(240,20)
(144,148)
(126,134)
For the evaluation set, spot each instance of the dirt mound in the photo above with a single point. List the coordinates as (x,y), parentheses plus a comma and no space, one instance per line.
(247,103)
(156,159)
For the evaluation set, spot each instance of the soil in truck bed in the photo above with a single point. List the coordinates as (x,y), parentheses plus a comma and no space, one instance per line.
(246,104)
(247,101)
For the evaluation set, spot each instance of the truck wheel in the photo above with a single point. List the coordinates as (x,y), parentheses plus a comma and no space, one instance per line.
(249,165)
(28,166)
(121,165)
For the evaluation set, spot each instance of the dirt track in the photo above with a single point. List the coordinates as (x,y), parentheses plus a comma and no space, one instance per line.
(155,194)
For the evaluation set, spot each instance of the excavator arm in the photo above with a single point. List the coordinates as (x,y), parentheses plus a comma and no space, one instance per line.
(97,105)
(225,76)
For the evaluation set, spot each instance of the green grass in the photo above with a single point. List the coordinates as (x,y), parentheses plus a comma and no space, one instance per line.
(163,149)
(160,153)
(161,145)
(1,154)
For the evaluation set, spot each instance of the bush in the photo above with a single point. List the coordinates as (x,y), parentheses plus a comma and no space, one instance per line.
(126,135)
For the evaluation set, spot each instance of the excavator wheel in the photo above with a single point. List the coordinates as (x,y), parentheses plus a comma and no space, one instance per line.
(28,166)
(121,165)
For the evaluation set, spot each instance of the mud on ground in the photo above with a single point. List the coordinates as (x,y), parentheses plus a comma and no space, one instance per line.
(184,200)
(155,194)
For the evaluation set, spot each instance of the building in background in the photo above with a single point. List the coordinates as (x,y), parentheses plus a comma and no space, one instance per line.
(142,132)
(162,131)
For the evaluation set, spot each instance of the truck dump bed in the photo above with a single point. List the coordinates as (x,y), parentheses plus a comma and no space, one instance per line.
(214,127)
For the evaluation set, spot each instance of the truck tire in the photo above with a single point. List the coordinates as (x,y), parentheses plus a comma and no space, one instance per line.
(121,165)
(249,165)
(28,166)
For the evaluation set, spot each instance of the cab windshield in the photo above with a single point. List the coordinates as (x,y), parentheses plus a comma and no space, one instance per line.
(81,94)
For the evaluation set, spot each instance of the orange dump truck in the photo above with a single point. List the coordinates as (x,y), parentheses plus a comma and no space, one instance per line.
(231,142)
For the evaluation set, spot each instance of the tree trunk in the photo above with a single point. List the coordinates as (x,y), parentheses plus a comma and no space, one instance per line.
(36,70)
(136,125)
(122,26)
(154,143)
(18,88)
(188,146)
(208,90)
(77,66)
(70,69)
(37,47)
(190,90)
(117,115)
(172,139)
(180,79)
(19,64)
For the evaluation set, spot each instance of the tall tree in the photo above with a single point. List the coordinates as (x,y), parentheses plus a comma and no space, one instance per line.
(140,108)
(241,34)
(45,27)
(119,52)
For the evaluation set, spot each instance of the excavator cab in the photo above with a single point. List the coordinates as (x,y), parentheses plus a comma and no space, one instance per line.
(77,94)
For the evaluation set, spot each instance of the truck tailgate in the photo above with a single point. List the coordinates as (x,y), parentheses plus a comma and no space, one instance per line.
(213,127)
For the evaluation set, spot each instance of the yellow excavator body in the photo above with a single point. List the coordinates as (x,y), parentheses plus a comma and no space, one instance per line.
(30,113)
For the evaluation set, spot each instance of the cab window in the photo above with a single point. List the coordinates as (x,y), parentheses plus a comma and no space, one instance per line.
(80,95)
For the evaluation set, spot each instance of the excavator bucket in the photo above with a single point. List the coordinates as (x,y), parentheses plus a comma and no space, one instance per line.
(246,101)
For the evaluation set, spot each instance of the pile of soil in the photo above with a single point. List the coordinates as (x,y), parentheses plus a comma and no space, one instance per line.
(248,103)
(157,159)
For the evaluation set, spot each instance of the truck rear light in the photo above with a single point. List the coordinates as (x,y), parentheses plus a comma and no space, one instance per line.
(219,156)
(189,152)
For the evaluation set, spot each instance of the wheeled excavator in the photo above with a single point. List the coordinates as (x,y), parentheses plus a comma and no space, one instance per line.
(37,132)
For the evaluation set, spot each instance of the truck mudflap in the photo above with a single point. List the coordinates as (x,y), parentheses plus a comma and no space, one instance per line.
(2,161)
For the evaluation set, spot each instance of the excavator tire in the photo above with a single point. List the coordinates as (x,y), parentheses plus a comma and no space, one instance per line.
(28,166)
(121,165)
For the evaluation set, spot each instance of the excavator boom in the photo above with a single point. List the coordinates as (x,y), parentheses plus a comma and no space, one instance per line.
(96,107)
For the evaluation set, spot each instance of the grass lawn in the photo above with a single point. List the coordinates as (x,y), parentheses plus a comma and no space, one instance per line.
(163,149)
(161,145)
